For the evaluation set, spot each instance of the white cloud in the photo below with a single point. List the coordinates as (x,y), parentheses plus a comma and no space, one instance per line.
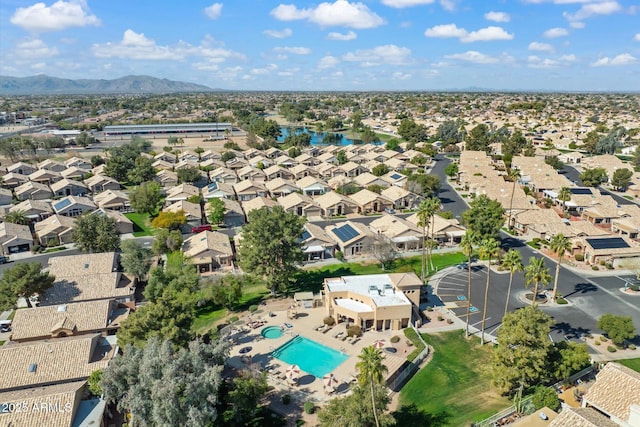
(577,25)
(60,15)
(398,75)
(283,34)
(214,11)
(328,62)
(497,16)
(342,37)
(34,48)
(473,56)
(484,34)
(541,47)
(445,31)
(386,54)
(448,5)
(537,62)
(568,58)
(296,50)
(622,59)
(594,8)
(399,4)
(265,70)
(339,13)
(637,37)
(137,46)
(553,33)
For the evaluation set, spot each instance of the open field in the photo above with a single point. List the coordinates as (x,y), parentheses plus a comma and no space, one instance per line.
(455,386)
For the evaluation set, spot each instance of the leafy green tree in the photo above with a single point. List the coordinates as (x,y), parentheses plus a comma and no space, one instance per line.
(523,351)
(451,170)
(96,233)
(514,144)
(341,157)
(478,138)
(621,179)
(469,240)
(449,133)
(146,197)
(122,159)
(484,217)
(569,358)
(559,244)
(225,291)
(356,409)
(163,386)
(536,273)
(618,328)
(228,155)
(392,144)
(564,195)
(423,184)
(189,175)
(215,210)
(16,217)
(169,220)
(142,171)
(135,258)
(593,177)
(166,241)
(554,162)
(23,280)
(94,383)
(513,262)
(270,246)
(368,135)
(488,249)
(371,373)
(199,151)
(379,170)
(545,396)
(84,139)
(356,121)
(411,131)
(244,399)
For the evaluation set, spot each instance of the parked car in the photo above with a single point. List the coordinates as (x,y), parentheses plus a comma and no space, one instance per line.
(201,228)
(4,259)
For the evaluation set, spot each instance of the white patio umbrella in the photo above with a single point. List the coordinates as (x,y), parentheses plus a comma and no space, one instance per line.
(379,344)
(330,381)
(292,372)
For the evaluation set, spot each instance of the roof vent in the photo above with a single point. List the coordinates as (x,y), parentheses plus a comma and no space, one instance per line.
(86,265)
(33,367)
(62,308)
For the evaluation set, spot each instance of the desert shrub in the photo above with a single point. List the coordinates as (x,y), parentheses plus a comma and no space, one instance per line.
(635,288)
(330,321)
(429,308)
(579,257)
(603,339)
(394,339)
(253,308)
(339,256)
(233,319)
(602,262)
(309,407)
(354,331)
(612,349)
(595,267)
(545,396)
(440,318)
(609,266)
(631,347)
(561,301)
(596,342)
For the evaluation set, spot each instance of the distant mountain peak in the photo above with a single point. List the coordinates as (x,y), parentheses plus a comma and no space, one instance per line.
(43,84)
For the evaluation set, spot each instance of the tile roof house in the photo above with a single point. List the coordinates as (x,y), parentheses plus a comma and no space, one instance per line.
(233,214)
(112,199)
(300,171)
(166,157)
(257,203)
(406,235)
(251,173)
(300,204)
(277,171)
(53,361)
(52,165)
(33,209)
(366,179)
(15,238)
(312,186)
(316,243)
(401,198)
(69,187)
(220,190)
(581,417)
(79,163)
(33,190)
(14,179)
(181,192)
(349,236)
(73,206)
(333,204)
(369,202)
(44,176)
(87,277)
(616,394)
(280,187)
(59,321)
(123,224)
(162,165)
(192,211)
(21,168)
(612,250)
(222,174)
(247,190)
(445,231)
(209,251)
(6,197)
(75,172)
(166,178)
(99,183)
(54,230)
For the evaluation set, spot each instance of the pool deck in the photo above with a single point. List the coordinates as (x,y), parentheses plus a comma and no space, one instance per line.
(308,387)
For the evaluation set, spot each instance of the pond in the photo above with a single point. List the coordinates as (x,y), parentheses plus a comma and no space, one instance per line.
(318,138)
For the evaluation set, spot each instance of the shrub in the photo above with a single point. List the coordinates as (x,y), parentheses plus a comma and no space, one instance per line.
(286,399)
(602,262)
(330,321)
(596,342)
(603,339)
(339,256)
(354,331)
(609,266)
(394,339)
(635,288)
(612,348)
(561,301)
(449,321)
(595,267)
(253,308)
(35,249)
(631,347)
(233,319)
(429,308)
(440,318)
(579,257)
(309,407)
(545,396)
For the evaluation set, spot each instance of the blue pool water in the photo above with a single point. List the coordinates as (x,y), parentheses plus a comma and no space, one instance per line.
(317,137)
(272,332)
(312,357)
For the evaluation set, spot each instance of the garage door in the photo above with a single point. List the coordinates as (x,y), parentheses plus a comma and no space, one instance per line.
(19,248)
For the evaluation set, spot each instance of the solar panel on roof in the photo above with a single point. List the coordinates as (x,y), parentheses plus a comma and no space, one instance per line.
(608,243)
(580,191)
(305,235)
(62,204)
(396,176)
(212,186)
(345,233)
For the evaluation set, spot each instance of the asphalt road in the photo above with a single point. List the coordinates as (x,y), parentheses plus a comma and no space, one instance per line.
(573,175)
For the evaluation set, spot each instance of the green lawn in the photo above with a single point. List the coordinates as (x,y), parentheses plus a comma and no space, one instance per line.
(141,224)
(631,363)
(312,279)
(455,386)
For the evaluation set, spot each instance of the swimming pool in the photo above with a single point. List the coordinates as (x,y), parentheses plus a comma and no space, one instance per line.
(312,357)
(272,332)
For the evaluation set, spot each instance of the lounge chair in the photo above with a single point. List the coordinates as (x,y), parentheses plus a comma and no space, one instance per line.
(355,340)
(327,330)
(344,337)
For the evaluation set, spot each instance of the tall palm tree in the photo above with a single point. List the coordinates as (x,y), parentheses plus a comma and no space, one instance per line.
(426,209)
(512,261)
(559,244)
(371,372)
(467,243)
(435,207)
(17,217)
(489,248)
(536,273)
(564,195)
(514,174)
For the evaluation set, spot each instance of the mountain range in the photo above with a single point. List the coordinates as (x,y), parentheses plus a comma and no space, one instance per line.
(47,85)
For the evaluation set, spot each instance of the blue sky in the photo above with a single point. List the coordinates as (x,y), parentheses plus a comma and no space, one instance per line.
(332,45)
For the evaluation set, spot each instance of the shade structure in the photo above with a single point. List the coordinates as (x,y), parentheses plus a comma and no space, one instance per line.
(379,344)
(292,372)
(330,381)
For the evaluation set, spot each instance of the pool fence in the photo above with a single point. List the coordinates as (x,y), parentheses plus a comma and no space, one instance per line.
(408,369)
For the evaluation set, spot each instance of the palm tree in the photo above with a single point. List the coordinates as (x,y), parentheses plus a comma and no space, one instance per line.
(559,244)
(467,243)
(512,261)
(434,204)
(371,372)
(423,220)
(564,195)
(17,217)
(488,248)
(514,174)
(536,273)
